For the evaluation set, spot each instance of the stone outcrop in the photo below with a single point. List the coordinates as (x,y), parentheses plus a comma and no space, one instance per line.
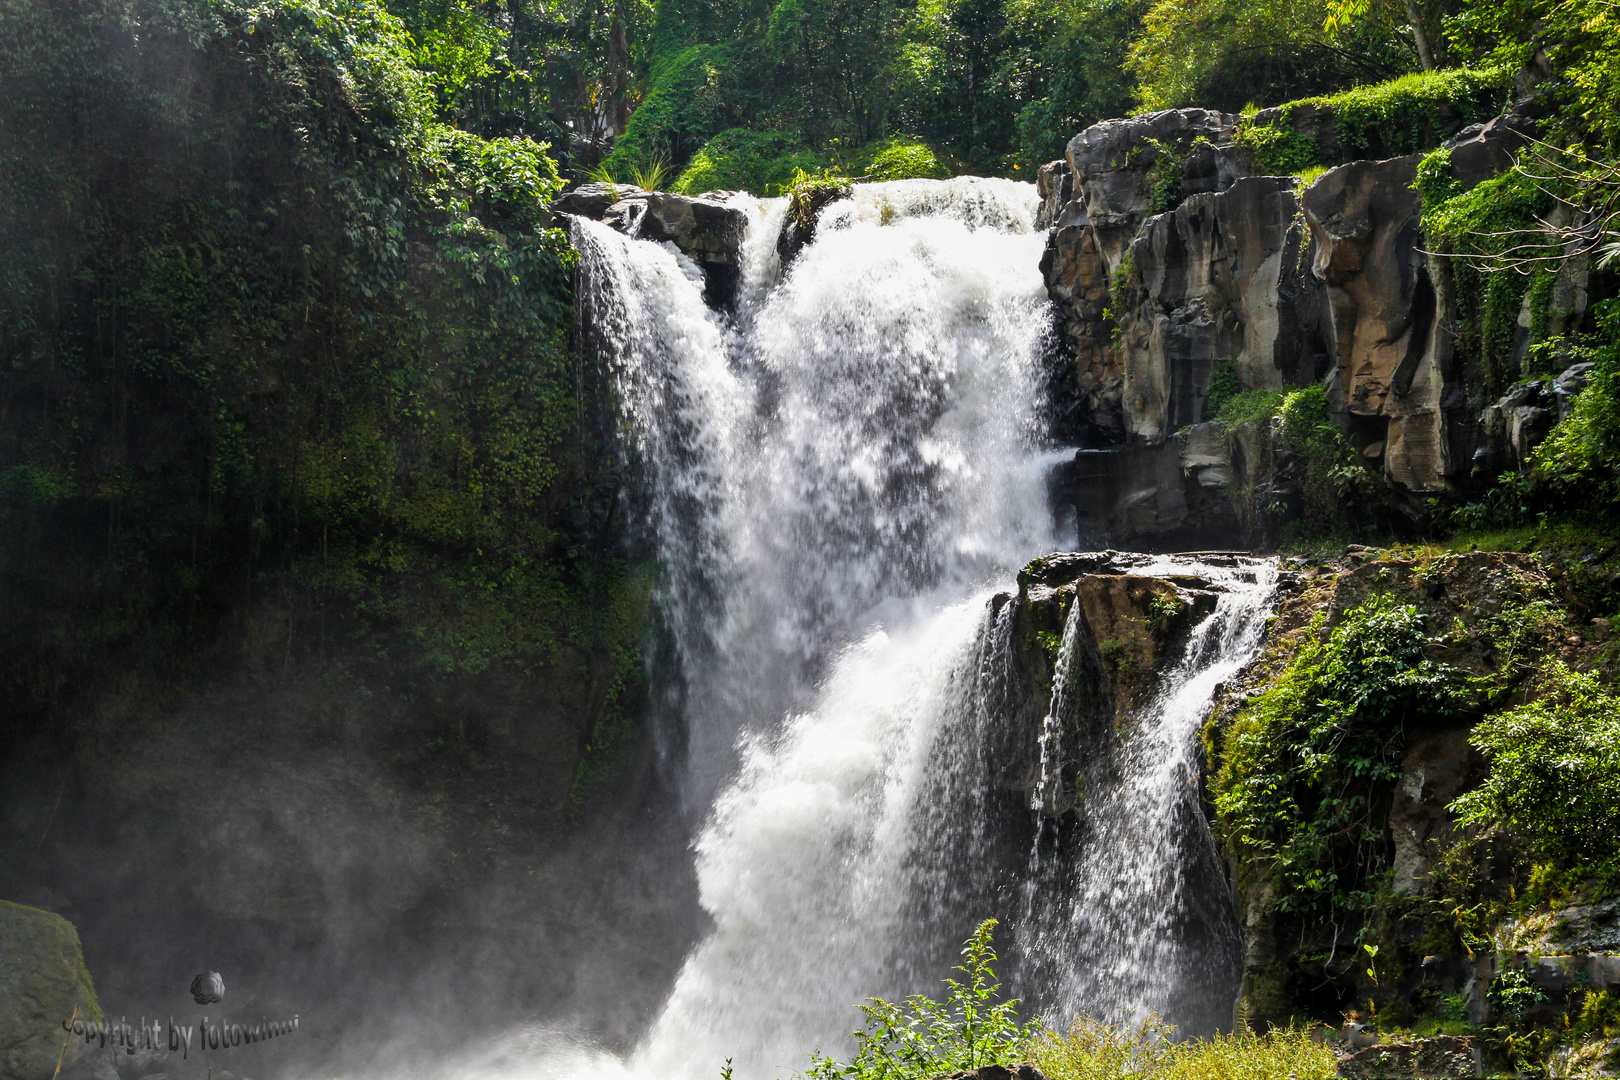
(1127,624)
(42,982)
(1222,278)
(704,228)
(1168,262)
(1364,220)
(1444,1057)
(1465,600)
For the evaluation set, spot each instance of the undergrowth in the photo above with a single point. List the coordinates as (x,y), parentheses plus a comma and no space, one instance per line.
(973,1026)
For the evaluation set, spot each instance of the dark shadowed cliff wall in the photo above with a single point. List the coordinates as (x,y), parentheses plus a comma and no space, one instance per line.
(320,642)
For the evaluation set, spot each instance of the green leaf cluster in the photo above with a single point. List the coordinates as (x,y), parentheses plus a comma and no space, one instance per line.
(921,1037)
(1555,770)
(1302,765)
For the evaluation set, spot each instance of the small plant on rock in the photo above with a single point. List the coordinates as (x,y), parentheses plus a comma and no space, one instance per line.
(921,1037)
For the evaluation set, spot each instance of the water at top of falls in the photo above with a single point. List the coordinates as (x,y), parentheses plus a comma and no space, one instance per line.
(859,440)
(841,479)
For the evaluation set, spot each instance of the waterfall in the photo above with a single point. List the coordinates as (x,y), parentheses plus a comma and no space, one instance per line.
(1137,919)
(840,482)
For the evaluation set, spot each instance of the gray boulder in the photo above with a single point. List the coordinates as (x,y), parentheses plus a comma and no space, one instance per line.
(704,228)
(42,980)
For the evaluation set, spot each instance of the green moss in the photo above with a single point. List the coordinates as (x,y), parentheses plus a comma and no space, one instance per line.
(1386,119)
(1302,767)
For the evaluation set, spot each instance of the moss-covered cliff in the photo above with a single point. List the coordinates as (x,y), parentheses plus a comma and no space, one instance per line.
(1408,786)
(309,568)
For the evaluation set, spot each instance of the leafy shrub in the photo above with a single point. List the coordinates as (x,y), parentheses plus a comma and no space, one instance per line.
(1578,464)
(921,1037)
(689,101)
(899,158)
(741,160)
(1302,765)
(1277,149)
(1480,224)
(1555,770)
(1251,405)
(1513,992)
(1227,53)
(1335,488)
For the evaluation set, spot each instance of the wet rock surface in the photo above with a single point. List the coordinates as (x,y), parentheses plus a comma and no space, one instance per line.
(703,227)
(43,982)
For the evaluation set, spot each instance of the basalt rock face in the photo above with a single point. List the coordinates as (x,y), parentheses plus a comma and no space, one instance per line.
(705,229)
(1169,265)
(1364,219)
(1468,595)
(1095,202)
(1126,627)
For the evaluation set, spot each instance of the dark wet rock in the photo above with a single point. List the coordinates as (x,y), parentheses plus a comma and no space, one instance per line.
(1437,767)
(592,200)
(43,983)
(93,1064)
(704,228)
(998,1072)
(804,211)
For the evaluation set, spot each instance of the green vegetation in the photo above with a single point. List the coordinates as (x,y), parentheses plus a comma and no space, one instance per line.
(299,339)
(1555,771)
(1336,490)
(1090,1050)
(1302,765)
(922,1038)
(1379,120)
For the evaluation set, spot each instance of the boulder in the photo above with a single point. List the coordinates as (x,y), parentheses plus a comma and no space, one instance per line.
(704,228)
(998,1072)
(1443,1057)
(592,200)
(42,981)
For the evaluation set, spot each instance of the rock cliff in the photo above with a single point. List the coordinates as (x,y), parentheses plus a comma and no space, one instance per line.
(1181,276)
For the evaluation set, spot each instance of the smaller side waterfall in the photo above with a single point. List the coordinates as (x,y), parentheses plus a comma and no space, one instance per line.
(1133,915)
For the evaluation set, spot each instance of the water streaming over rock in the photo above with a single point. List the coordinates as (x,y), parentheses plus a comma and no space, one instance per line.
(839,484)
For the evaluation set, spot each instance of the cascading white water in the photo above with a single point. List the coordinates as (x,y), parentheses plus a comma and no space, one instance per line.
(1132,926)
(840,481)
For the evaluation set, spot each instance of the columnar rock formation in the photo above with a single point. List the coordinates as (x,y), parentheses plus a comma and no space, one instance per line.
(1170,260)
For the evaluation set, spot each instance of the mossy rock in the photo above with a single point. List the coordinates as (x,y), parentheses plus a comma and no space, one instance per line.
(42,980)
